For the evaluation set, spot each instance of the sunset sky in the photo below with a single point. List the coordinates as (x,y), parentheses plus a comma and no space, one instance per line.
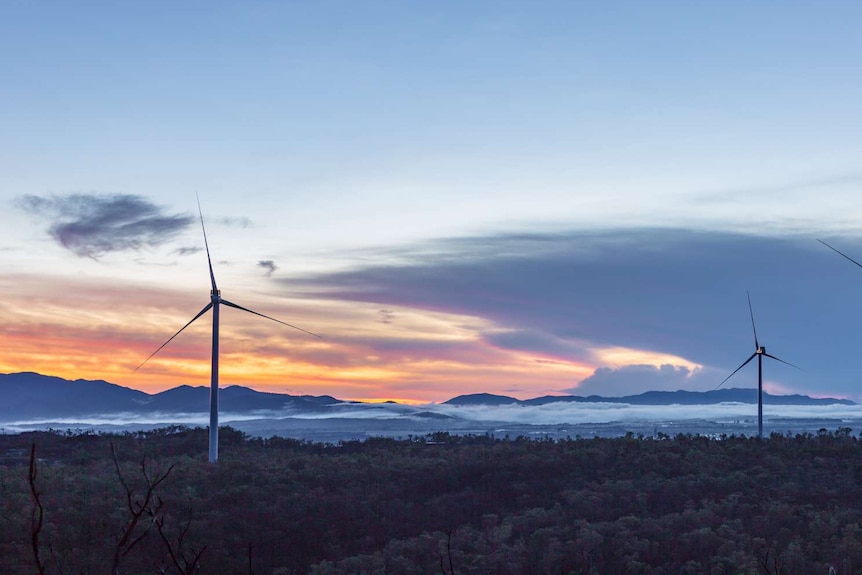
(524,198)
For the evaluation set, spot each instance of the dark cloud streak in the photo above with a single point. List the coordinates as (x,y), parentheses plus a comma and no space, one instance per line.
(91,225)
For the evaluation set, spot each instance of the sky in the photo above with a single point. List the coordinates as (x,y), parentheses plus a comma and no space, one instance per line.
(521,198)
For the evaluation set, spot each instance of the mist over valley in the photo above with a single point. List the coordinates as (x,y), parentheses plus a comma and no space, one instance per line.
(32,401)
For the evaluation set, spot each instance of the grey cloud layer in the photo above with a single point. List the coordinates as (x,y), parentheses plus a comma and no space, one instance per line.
(671,291)
(91,225)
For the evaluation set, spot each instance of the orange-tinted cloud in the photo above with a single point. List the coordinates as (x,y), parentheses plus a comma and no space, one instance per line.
(97,330)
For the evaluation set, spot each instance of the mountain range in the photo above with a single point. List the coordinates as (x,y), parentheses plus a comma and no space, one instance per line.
(680,397)
(31,396)
(27,396)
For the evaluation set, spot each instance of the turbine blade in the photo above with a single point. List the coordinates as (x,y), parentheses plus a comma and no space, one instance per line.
(200,313)
(840,253)
(751,311)
(209,261)
(782,361)
(231,304)
(735,370)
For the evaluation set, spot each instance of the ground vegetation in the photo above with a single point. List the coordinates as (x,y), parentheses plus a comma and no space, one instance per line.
(74,504)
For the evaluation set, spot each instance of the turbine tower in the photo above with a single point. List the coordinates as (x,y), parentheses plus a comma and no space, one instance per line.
(215,301)
(759,353)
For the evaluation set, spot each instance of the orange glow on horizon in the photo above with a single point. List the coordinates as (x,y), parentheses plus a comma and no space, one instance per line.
(94,330)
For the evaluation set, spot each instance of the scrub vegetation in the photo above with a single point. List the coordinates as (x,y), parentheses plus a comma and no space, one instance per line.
(150,503)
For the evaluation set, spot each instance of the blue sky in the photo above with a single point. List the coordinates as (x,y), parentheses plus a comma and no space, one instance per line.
(391,174)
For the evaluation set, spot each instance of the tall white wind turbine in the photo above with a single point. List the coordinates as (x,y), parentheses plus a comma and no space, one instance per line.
(215,301)
(759,353)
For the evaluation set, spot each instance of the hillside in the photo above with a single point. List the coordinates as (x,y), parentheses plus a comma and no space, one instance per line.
(681,397)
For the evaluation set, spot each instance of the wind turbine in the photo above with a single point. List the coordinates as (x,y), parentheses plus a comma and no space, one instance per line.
(215,301)
(759,353)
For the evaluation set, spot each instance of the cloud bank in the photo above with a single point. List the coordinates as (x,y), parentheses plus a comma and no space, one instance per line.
(572,295)
(634,379)
(91,225)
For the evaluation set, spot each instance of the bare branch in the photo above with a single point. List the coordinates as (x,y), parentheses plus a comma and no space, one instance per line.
(56,560)
(449,556)
(185,565)
(147,506)
(449,552)
(37,515)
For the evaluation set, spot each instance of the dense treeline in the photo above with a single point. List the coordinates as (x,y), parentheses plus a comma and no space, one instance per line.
(437,504)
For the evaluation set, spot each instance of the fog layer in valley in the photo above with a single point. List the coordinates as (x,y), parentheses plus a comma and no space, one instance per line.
(352,420)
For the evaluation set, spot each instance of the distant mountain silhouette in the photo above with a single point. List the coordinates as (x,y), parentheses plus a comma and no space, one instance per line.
(681,397)
(28,395)
(482,399)
(233,399)
(33,397)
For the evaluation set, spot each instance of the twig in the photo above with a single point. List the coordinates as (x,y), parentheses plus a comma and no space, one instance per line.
(37,514)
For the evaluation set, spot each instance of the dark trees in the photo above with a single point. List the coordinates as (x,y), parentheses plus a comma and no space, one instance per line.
(462,505)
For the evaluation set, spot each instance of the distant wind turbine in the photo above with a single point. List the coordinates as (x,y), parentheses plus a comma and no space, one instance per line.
(215,301)
(759,352)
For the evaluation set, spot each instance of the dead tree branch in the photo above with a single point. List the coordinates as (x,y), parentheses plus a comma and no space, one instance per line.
(37,514)
(146,507)
(184,562)
(449,556)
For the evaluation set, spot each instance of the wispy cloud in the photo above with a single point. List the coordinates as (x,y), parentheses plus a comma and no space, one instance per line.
(848,182)
(91,225)
(268,266)
(235,222)
(187,251)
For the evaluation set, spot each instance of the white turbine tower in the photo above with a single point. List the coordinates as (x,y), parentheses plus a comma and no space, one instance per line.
(215,301)
(759,353)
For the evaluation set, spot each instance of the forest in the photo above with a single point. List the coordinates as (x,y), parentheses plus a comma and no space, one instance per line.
(148,502)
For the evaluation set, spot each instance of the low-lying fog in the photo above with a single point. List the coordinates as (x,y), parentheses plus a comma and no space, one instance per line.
(351,420)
